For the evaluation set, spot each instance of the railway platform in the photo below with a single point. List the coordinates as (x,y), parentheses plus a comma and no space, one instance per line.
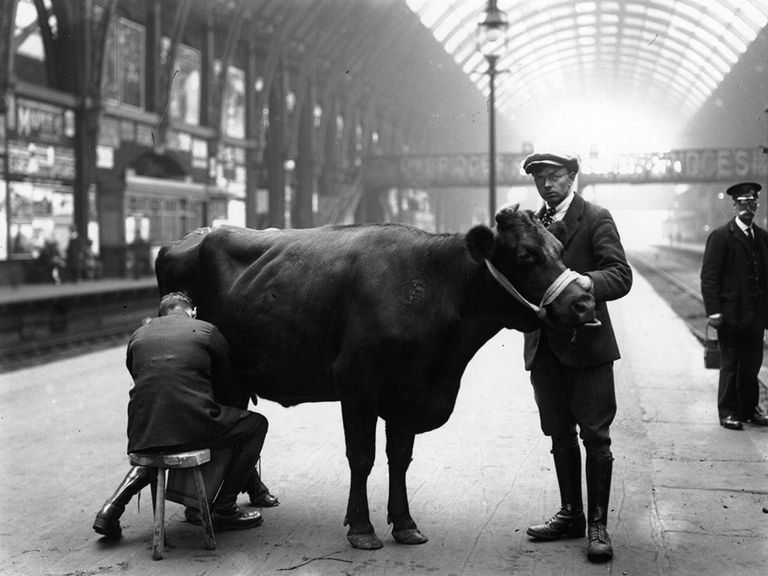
(33,292)
(43,321)
(689,497)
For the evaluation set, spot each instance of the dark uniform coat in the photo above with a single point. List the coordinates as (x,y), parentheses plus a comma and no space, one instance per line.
(725,273)
(591,245)
(175,362)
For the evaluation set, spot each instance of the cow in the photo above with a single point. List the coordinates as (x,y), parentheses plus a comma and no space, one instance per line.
(383,318)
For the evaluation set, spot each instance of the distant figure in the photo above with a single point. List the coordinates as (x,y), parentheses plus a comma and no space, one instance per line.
(51,262)
(183,399)
(572,370)
(734,285)
(74,256)
(138,258)
(90,261)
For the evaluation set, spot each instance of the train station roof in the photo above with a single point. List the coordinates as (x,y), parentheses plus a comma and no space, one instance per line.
(668,56)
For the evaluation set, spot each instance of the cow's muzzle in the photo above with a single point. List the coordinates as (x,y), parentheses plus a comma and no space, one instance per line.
(583,309)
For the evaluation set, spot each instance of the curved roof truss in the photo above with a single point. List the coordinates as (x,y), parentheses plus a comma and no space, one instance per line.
(676,51)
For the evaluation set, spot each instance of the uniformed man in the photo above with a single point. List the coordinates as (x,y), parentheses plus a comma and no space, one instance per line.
(734,285)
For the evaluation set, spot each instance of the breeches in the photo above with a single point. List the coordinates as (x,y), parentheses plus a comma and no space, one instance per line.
(569,397)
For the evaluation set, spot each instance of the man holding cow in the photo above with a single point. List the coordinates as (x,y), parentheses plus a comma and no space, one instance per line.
(572,369)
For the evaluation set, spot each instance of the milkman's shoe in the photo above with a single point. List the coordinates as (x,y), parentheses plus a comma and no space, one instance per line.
(757,419)
(731,423)
(233,517)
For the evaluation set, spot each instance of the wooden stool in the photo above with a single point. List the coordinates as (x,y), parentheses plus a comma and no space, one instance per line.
(161,463)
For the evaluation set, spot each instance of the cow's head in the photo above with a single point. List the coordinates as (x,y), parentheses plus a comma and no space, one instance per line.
(522,253)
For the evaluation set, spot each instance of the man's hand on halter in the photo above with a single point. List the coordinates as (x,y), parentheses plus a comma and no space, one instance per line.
(585,282)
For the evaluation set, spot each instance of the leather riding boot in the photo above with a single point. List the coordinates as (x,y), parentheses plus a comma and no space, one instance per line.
(569,521)
(599,470)
(107,520)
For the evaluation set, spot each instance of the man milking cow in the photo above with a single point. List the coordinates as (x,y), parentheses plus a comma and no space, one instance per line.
(184,398)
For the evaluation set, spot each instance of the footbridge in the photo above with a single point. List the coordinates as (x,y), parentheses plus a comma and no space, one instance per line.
(711,165)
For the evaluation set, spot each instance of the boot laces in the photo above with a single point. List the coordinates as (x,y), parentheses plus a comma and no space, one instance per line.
(599,533)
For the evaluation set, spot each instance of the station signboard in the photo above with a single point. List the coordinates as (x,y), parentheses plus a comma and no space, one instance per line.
(471,170)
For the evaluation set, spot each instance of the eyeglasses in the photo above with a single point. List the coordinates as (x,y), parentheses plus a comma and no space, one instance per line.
(554,177)
(746,201)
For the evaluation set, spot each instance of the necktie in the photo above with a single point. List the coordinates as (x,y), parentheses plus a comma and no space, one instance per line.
(750,236)
(547,217)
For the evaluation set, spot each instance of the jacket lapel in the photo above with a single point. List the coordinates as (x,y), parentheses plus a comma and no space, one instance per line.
(740,237)
(572,218)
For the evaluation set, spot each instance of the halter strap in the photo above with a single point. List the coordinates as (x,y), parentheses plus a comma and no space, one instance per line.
(550,294)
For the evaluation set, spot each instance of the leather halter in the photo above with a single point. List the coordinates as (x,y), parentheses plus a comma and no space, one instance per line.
(550,294)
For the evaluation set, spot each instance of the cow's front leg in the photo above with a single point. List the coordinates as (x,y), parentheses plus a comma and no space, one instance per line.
(399,453)
(360,437)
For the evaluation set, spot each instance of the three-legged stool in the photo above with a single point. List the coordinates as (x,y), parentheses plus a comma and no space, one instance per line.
(161,463)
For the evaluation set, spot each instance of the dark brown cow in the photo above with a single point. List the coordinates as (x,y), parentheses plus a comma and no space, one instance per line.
(383,318)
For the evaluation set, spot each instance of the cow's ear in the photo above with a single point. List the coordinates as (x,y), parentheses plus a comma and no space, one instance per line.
(558,230)
(480,242)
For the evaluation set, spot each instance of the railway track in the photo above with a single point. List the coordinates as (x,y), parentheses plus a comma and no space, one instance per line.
(674,274)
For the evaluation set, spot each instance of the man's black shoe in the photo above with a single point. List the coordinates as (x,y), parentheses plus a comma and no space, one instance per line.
(564,524)
(757,419)
(731,423)
(235,518)
(264,500)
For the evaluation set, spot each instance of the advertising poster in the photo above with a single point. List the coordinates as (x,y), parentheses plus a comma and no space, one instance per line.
(185,91)
(131,63)
(233,114)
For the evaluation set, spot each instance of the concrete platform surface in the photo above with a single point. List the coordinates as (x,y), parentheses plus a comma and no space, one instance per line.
(689,497)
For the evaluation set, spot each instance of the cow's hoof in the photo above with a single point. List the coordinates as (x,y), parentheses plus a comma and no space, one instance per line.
(365,541)
(409,536)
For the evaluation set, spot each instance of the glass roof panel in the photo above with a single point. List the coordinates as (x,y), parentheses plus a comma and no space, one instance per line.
(702,39)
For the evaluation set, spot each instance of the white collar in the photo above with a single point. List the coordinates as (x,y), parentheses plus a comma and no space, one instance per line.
(741,225)
(561,208)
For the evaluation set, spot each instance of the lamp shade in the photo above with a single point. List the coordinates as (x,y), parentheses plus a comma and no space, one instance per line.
(491,31)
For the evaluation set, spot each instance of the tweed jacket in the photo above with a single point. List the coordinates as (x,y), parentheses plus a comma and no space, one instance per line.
(591,246)
(176,362)
(725,276)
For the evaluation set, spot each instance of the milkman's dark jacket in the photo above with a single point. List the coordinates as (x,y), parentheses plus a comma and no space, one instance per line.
(725,272)
(591,246)
(178,364)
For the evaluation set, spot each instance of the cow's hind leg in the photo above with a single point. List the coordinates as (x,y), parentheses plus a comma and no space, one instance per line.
(360,437)
(399,453)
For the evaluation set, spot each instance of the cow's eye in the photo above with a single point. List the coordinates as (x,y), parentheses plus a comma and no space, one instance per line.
(525,259)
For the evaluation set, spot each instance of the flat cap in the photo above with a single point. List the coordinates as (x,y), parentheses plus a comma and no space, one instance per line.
(536,161)
(744,189)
